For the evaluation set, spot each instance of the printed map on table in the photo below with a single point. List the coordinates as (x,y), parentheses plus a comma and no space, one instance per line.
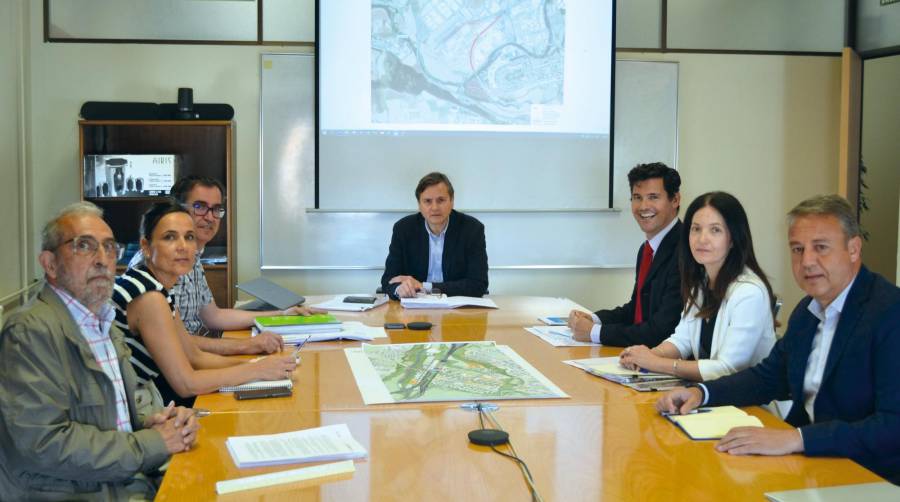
(462,371)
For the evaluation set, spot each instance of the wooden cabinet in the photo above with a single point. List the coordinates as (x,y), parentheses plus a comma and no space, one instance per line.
(202,148)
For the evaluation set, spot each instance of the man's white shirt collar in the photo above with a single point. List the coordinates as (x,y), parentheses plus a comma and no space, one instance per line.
(441,234)
(837,305)
(658,238)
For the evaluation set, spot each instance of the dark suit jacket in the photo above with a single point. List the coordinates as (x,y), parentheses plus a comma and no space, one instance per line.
(464,262)
(857,408)
(661,303)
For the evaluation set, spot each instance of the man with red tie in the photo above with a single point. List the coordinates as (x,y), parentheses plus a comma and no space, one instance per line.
(655,306)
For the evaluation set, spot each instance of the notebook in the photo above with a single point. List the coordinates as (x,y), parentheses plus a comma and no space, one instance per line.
(298,324)
(713,423)
(260,384)
(864,491)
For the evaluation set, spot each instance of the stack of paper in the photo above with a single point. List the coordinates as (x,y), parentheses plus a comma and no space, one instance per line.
(558,336)
(332,442)
(294,324)
(713,423)
(554,320)
(446,302)
(609,368)
(350,330)
(337,303)
(260,384)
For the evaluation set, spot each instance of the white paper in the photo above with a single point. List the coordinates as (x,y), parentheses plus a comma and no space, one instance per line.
(446,302)
(331,442)
(556,320)
(337,303)
(557,336)
(609,366)
(350,330)
(284,477)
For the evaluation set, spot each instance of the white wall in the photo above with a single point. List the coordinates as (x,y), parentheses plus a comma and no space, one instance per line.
(11,50)
(762,127)
(881,155)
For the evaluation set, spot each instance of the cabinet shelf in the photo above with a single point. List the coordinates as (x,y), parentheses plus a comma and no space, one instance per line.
(204,148)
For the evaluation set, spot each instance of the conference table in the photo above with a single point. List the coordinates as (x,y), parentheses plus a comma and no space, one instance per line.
(603,442)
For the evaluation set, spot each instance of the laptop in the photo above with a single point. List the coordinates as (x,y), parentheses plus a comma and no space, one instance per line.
(270,296)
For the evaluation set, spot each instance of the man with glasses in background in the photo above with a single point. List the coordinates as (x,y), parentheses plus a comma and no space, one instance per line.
(204,198)
(72,424)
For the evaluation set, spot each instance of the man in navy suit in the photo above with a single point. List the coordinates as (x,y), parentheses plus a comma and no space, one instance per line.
(436,249)
(655,306)
(837,360)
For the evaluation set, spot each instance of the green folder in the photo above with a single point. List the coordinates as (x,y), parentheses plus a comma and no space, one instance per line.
(276,321)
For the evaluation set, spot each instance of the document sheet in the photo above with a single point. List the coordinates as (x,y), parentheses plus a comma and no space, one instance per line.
(446,302)
(284,477)
(337,303)
(558,336)
(349,330)
(331,442)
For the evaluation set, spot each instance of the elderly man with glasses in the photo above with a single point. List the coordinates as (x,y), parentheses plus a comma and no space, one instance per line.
(71,424)
(203,198)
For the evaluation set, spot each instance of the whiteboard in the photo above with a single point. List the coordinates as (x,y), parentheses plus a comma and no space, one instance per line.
(294,236)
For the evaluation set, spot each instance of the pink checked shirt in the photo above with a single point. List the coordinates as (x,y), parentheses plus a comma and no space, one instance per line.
(96,331)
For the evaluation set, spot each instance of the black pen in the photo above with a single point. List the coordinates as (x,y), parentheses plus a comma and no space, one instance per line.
(300,346)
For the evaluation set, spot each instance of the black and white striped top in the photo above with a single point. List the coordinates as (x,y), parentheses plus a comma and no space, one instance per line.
(129,286)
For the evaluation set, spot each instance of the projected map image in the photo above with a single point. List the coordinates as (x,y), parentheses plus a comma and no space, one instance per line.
(454,371)
(465,62)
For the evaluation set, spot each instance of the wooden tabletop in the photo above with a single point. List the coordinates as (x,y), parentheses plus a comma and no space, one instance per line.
(604,442)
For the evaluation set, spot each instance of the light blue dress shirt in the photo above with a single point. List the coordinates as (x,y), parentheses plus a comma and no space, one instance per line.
(435,257)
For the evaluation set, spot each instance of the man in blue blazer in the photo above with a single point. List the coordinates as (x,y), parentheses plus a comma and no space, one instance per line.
(654,309)
(837,360)
(436,249)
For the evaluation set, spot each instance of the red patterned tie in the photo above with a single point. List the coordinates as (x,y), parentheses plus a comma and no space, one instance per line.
(646,259)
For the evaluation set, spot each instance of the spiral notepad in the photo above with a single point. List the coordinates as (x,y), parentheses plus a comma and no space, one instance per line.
(260,384)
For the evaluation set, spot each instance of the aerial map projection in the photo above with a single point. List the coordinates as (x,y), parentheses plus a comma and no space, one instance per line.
(467,62)
(403,373)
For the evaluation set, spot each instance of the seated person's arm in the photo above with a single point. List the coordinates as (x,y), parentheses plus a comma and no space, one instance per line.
(751,325)
(405,286)
(393,264)
(221,319)
(878,433)
(177,355)
(475,280)
(37,417)
(619,329)
(214,317)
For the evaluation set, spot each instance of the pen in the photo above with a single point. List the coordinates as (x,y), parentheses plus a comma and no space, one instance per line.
(692,412)
(300,345)
(201,412)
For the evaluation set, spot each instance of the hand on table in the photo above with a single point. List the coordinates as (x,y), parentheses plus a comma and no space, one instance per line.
(680,400)
(274,367)
(265,343)
(408,286)
(581,323)
(637,357)
(303,310)
(178,427)
(761,441)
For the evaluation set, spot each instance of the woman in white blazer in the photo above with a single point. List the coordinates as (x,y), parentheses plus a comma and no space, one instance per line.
(727,322)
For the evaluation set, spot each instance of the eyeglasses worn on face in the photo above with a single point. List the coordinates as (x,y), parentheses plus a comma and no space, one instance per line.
(201,208)
(88,246)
